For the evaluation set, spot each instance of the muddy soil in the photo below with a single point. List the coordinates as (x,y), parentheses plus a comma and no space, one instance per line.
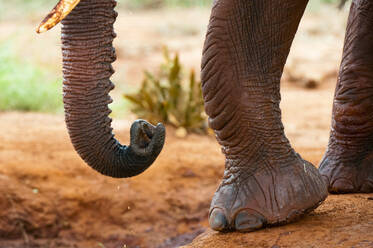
(50,198)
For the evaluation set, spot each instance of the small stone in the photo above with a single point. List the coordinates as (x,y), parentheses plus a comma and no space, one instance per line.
(310,84)
(188,173)
(181,132)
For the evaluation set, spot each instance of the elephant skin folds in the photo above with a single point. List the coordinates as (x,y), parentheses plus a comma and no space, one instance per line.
(60,202)
(265,181)
(348,162)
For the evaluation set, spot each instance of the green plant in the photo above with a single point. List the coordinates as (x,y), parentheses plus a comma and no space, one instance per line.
(164,98)
(25,86)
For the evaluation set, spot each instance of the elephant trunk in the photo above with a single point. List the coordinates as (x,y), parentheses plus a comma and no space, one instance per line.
(87,36)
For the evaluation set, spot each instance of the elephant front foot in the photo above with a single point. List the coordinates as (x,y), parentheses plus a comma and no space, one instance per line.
(347,175)
(253,196)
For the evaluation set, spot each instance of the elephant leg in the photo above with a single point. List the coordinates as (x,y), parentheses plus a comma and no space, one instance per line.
(265,181)
(348,162)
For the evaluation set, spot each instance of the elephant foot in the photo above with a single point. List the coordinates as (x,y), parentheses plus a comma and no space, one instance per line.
(254,196)
(347,165)
(347,175)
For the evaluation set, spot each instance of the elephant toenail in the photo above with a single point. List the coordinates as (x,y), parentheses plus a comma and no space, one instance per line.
(246,222)
(341,186)
(217,220)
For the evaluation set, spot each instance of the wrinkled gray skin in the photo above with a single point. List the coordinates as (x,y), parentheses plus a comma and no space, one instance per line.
(265,181)
(247,43)
(87,56)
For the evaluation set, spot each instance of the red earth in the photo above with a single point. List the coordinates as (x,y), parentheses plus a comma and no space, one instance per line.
(50,198)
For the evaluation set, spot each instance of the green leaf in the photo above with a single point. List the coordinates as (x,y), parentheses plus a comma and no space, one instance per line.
(162,97)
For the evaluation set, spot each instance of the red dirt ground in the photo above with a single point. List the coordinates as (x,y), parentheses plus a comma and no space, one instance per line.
(342,221)
(49,198)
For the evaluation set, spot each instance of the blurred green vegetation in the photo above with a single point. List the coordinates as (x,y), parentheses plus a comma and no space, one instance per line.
(21,9)
(170,96)
(26,87)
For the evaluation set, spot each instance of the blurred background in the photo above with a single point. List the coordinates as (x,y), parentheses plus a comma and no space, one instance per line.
(48,196)
(30,69)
